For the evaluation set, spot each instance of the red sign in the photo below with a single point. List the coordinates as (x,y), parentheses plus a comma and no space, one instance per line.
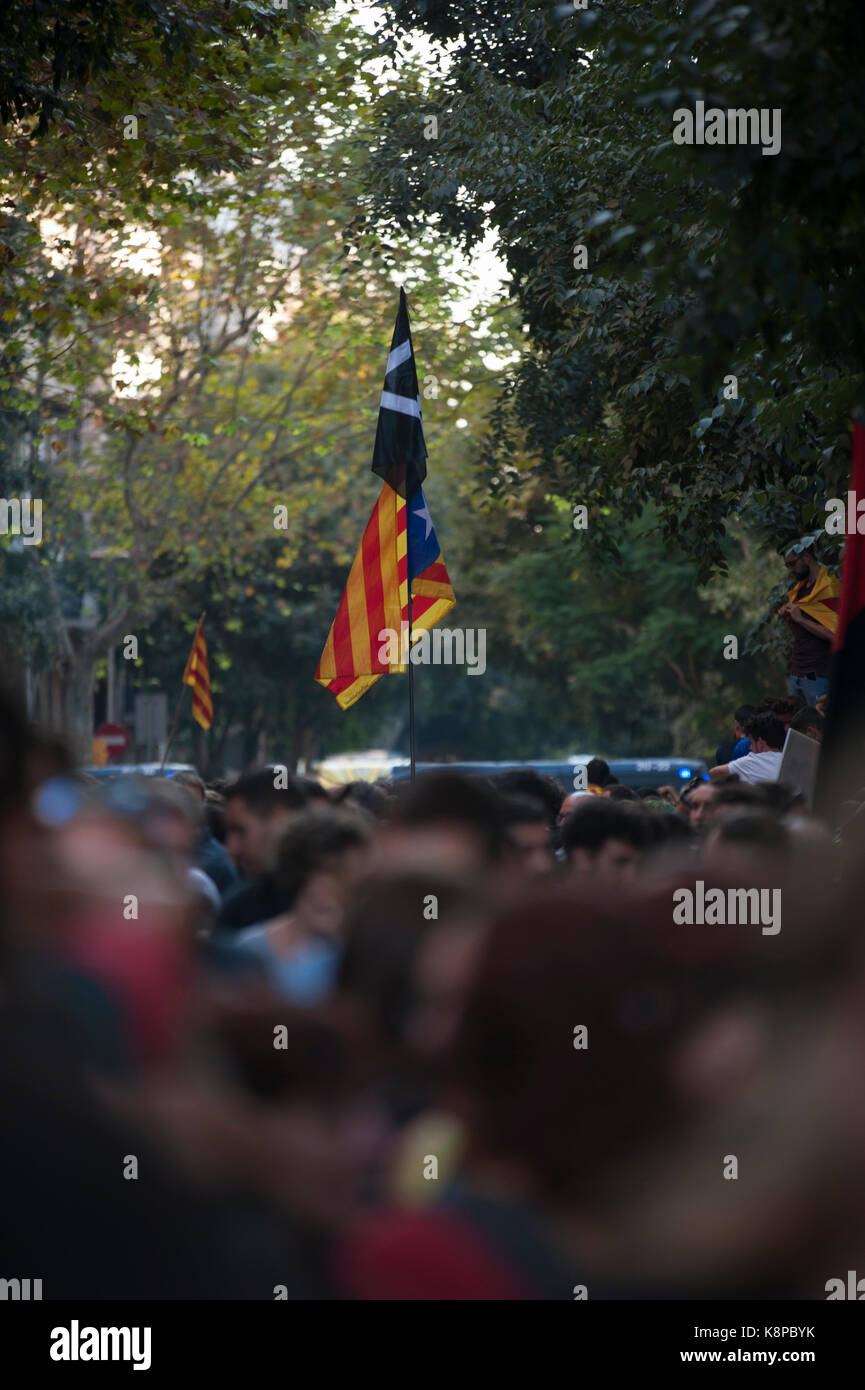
(114,737)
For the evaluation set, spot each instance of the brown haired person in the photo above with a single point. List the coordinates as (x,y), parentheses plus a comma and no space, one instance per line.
(258,807)
(811,614)
(319,859)
(766,733)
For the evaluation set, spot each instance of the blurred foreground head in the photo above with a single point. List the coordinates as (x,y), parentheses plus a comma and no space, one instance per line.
(319,1135)
(610,1063)
(446,822)
(411,943)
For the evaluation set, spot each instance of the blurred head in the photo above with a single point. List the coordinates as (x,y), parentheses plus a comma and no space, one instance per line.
(564,1063)
(320,856)
(392,916)
(809,723)
(730,799)
(192,782)
(369,796)
(799,563)
(526,782)
(527,828)
(741,717)
(748,841)
(787,707)
(618,792)
(258,807)
(570,802)
(766,733)
(448,821)
(322,1135)
(598,773)
(703,800)
(605,839)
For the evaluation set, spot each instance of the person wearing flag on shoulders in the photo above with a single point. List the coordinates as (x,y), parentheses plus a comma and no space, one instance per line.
(811,613)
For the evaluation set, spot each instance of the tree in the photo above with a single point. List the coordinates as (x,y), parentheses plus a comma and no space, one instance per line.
(649,274)
(183,374)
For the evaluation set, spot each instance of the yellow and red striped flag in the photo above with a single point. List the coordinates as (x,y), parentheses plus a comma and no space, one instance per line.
(375,599)
(198,676)
(370,633)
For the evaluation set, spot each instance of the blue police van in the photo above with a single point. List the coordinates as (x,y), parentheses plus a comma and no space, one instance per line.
(631,772)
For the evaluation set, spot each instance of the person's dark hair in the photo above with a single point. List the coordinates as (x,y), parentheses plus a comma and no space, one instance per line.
(788,707)
(598,772)
(525,781)
(371,796)
(450,798)
(314,790)
(191,781)
(324,1057)
(806,719)
(214,814)
(647,793)
(736,793)
(621,793)
(261,794)
(312,840)
(778,797)
(523,810)
(744,713)
(672,828)
(769,727)
(385,928)
(570,1117)
(593,822)
(685,794)
(767,706)
(756,829)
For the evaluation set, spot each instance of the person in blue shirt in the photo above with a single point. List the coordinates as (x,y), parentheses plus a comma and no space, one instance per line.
(740,745)
(320,857)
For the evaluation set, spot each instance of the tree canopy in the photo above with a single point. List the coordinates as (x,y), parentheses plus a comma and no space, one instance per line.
(700,264)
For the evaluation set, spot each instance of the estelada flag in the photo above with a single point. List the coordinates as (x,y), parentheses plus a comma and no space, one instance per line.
(197,675)
(842,758)
(399,547)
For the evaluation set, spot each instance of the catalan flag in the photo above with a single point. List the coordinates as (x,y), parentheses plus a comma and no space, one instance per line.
(198,676)
(399,547)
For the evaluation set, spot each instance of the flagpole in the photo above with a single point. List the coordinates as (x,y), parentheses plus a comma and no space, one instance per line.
(173,728)
(179,704)
(411,737)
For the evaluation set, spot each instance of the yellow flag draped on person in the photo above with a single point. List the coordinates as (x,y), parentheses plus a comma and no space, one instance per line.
(823,601)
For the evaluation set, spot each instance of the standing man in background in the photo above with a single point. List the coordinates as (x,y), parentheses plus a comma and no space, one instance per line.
(811,613)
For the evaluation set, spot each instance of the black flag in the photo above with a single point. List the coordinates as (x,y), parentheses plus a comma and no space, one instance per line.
(399,456)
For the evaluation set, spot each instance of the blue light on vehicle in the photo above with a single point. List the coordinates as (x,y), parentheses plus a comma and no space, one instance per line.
(685,773)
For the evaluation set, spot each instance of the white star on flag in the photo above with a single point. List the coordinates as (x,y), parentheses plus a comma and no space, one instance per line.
(424,512)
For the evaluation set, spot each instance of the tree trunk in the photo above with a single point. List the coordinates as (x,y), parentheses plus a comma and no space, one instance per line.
(77,682)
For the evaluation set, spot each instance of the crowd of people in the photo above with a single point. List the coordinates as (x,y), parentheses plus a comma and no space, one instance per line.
(432,1040)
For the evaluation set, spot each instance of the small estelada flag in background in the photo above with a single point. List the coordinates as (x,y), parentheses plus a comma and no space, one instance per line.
(198,676)
(399,546)
(841,773)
